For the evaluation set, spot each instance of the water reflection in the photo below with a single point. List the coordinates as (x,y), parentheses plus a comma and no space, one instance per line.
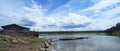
(94,43)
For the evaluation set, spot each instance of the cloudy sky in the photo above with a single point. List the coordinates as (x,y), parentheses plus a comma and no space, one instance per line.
(55,15)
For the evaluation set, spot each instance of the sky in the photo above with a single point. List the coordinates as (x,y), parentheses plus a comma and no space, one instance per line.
(60,15)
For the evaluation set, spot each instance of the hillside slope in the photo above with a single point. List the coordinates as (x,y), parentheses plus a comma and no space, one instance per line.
(21,43)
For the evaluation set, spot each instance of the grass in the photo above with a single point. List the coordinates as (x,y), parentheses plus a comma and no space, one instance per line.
(20,43)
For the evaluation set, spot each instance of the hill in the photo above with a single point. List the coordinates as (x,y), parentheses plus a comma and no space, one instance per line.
(22,43)
(115,30)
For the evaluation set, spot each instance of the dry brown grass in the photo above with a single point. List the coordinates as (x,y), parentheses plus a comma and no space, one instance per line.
(20,43)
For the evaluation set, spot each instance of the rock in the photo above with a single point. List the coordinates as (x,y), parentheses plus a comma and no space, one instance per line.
(14,41)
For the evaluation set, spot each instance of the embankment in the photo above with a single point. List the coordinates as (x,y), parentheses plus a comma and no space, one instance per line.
(22,43)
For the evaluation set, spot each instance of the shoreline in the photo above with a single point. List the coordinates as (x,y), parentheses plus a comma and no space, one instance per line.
(22,43)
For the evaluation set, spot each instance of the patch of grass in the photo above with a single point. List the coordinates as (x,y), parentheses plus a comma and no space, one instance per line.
(25,43)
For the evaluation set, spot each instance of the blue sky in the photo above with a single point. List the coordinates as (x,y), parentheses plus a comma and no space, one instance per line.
(56,15)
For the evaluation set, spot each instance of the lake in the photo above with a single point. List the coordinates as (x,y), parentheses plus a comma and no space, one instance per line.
(95,42)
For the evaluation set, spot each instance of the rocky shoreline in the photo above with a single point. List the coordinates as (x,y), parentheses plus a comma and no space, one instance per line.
(46,46)
(23,43)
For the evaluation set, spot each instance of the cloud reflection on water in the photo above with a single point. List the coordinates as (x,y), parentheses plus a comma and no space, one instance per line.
(95,43)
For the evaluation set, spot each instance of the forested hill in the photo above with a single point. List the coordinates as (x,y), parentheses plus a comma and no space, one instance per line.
(115,30)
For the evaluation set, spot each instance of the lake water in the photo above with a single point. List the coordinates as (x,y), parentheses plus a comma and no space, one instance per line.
(95,42)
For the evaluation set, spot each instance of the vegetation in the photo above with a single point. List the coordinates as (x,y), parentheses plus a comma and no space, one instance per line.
(115,30)
(21,43)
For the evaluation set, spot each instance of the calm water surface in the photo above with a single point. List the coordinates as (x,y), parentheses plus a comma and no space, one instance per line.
(93,43)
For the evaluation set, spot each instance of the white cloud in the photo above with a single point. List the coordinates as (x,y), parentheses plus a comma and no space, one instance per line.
(78,19)
(57,21)
(67,5)
(106,14)
(8,12)
(60,22)
(102,4)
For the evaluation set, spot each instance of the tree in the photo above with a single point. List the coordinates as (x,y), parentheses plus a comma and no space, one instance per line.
(118,26)
(113,29)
